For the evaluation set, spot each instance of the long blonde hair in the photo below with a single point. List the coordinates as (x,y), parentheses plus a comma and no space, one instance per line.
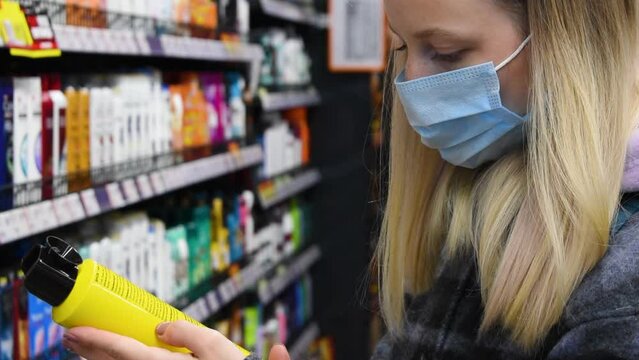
(536,221)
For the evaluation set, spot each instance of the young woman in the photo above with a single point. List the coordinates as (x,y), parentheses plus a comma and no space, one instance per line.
(503,224)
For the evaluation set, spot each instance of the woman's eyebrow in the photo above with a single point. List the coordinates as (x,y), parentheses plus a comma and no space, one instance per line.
(439,33)
(434,32)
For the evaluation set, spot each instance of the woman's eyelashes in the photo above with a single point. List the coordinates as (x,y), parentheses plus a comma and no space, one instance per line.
(449,58)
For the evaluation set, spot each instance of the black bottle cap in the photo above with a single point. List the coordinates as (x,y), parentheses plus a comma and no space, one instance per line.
(50,270)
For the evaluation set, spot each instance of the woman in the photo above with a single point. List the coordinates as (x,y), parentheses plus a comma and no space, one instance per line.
(510,123)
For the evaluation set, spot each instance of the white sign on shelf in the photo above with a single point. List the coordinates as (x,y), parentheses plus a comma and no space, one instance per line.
(115,195)
(211,299)
(33,215)
(144,185)
(142,43)
(90,202)
(158,184)
(19,220)
(6,230)
(62,211)
(75,206)
(130,191)
(46,216)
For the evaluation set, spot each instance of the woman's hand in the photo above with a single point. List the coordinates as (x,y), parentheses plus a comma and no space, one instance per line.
(206,344)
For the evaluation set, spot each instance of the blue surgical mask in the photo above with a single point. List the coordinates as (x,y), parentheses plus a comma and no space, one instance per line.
(460,113)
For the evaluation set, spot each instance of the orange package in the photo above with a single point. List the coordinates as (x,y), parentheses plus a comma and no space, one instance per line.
(298,118)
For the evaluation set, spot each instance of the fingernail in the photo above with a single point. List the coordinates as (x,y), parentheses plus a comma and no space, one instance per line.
(162,328)
(69,341)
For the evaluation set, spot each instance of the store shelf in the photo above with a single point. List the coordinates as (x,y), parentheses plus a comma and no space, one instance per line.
(298,349)
(290,188)
(76,39)
(50,214)
(127,42)
(277,101)
(294,271)
(207,305)
(291,12)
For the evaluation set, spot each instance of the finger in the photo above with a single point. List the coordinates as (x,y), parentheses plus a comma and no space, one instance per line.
(279,352)
(94,344)
(98,344)
(204,342)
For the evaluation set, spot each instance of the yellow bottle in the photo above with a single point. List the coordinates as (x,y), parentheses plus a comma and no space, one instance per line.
(85,293)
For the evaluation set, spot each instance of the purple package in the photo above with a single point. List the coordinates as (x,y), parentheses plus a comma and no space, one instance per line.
(215,94)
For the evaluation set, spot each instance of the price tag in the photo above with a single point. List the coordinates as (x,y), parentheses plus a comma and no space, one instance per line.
(175,177)
(115,195)
(211,299)
(71,37)
(221,165)
(224,293)
(10,228)
(144,184)
(130,191)
(96,38)
(182,179)
(117,37)
(200,309)
(167,179)
(130,45)
(34,217)
(158,184)
(19,219)
(190,311)
(233,288)
(61,36)
(90,202)
(85,39)
(107,41)
(6,233)
(51,219)
(142,43)
(62,210)
(74,205)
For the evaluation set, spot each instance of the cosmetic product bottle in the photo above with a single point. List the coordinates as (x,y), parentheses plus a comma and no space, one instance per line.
(85,293)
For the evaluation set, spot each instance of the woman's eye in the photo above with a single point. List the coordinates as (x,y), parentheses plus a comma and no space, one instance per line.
(402,48)
(447,58)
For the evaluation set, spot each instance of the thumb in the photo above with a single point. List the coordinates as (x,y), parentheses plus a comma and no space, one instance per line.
(202,341)
(279,352)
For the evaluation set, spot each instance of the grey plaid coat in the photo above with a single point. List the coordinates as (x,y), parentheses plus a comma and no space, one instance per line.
(600,321)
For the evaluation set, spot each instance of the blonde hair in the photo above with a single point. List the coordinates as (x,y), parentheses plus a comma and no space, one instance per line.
(537,221)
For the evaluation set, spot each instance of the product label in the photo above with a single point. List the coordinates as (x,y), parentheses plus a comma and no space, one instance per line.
(124,288)
(6,322)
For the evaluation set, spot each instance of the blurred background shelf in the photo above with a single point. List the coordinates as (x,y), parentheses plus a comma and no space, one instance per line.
(276,101)
(295,13)
(285,189)
(47,215)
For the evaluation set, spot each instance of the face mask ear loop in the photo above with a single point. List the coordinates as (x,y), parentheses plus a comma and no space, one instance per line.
(514,55)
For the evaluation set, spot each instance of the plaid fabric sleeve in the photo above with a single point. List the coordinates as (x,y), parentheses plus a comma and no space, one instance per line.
(608,338)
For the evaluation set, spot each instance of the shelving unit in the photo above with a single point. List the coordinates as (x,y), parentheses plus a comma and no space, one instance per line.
(124,41)
(94,41)
(22,222)
(299,267)
(288,189)
(276,101)
(215,299)
(297,349)
(291,12)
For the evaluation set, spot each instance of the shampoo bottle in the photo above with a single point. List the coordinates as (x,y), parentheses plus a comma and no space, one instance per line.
(85,293)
